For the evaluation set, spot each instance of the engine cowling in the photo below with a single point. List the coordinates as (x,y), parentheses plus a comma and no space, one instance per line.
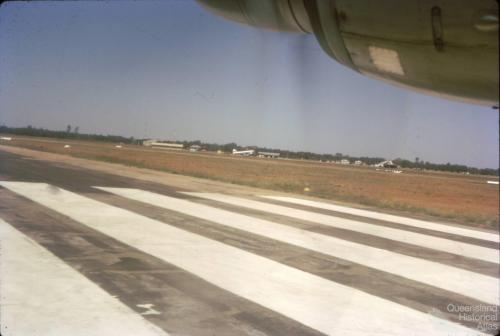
(441,47)
(281,15)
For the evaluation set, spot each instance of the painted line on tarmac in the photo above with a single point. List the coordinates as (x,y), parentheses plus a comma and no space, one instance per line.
(311,300)
(408,237)
(467,283)
(390,218)
(42,295)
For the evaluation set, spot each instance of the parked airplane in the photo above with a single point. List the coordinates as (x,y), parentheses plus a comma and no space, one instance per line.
(249,152)
(440,47)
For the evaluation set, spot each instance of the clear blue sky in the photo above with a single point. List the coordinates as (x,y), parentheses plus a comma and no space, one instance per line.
(170,70)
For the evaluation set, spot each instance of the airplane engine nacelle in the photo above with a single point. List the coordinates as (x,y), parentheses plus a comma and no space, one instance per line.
(282,15)
(443,47)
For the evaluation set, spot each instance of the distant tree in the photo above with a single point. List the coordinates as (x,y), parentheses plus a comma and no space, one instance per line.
(68,129)
(77,129)
(417,159)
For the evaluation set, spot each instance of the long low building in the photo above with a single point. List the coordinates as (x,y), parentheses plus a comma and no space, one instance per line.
(268,155)
(162,145)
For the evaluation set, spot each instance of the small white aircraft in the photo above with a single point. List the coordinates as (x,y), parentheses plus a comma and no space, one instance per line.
(249,152)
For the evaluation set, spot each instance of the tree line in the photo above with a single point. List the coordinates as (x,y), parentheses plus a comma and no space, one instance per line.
(74,133)
(456,168)
(69,133)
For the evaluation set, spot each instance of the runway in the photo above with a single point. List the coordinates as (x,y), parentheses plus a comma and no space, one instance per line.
(95,253)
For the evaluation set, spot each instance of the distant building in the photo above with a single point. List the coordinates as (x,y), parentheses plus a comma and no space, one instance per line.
(390,165)
(344,162)
(194,148)
(381,164)
(386,164)
(358,162)
(268,155)
(162,145)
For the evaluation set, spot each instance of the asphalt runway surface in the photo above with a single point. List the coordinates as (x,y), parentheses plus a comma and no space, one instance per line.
(84,252)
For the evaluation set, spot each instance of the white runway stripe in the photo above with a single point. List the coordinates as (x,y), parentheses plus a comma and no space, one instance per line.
(313,301)
(391,218)
(413,238)
(41,295)
(467,283)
